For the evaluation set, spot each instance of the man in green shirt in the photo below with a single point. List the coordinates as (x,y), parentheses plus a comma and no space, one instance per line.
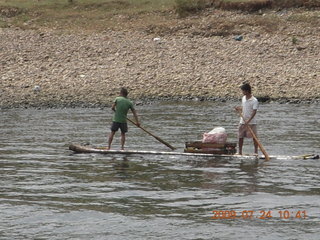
(121,107)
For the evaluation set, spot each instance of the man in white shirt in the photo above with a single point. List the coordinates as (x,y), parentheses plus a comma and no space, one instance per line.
(249,109)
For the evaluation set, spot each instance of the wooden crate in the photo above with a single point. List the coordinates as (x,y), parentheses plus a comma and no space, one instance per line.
(211,148)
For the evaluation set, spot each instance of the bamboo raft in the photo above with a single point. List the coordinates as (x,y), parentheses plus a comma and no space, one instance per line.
(89,149)
(95,150)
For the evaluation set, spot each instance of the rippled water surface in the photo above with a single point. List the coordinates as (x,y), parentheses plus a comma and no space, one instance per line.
(47,192)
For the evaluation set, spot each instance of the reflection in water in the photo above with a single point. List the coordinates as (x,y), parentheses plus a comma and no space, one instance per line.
(215,171)
(50,193)
(250,169)
(121,166)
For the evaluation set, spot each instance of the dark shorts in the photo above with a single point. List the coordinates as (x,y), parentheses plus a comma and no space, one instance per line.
(123,127)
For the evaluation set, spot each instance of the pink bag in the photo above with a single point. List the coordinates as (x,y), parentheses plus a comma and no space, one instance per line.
(217,135)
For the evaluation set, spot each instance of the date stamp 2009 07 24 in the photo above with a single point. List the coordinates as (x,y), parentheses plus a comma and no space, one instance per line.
(261,214)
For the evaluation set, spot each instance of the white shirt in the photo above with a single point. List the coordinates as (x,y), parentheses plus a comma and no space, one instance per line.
(248,105)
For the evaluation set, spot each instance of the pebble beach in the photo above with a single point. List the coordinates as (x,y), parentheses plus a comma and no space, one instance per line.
(47,68)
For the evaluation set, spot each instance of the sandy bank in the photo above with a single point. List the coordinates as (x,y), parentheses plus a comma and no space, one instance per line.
(90,68)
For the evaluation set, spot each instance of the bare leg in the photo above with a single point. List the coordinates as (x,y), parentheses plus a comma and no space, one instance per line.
(240,145)
(255,146)
(110,139)
(123,140)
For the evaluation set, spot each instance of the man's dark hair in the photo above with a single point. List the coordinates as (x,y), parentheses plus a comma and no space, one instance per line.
(246,87)
(124,92)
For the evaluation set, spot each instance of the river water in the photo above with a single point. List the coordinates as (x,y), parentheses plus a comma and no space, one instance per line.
(47,192)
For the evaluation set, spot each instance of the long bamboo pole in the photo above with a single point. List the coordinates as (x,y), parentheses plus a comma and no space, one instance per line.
(159,139)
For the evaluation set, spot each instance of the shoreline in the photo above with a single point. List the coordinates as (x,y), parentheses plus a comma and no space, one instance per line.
(153,100)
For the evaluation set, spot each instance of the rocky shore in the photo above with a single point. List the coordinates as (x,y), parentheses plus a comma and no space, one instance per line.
(46,68)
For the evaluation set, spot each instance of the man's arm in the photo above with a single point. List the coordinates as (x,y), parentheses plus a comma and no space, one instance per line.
(251,117)
(113,107)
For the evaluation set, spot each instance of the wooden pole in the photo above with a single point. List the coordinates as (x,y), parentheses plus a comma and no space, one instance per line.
(256,139)
(159,139)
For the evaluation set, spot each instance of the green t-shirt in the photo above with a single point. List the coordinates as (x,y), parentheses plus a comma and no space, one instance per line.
(122,107)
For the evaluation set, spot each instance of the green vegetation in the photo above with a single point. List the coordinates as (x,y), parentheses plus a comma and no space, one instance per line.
(88,15)
(185,7)
(3,24)
(99,15)
(294,40)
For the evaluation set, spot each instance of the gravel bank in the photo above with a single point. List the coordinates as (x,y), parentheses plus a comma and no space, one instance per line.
(44,68)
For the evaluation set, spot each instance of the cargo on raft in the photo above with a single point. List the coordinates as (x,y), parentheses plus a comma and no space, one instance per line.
(211,148)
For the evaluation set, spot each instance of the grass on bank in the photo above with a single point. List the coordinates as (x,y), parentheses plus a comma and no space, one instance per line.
(80,14)
(184,7)
(99,15)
